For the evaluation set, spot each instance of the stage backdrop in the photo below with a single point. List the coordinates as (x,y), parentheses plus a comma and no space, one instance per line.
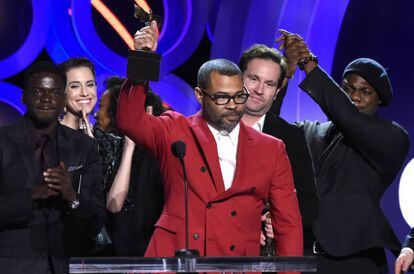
(194,31)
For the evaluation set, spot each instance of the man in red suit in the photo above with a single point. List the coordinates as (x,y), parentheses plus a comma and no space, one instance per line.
(231,168)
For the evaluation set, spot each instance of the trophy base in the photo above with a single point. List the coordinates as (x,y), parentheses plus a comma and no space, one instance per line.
(187,253)
(143,65)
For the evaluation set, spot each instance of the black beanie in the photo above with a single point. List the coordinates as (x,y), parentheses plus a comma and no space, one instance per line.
(374,74)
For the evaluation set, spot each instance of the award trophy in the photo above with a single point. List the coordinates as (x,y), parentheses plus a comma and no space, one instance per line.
(143,65)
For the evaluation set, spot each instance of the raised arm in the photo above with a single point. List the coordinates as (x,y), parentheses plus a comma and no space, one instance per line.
(142,128)
(384,144)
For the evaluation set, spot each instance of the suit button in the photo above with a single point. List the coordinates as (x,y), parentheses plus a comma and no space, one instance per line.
(195,236)
(208,205)
(233,213)
(232,247)
(203,169)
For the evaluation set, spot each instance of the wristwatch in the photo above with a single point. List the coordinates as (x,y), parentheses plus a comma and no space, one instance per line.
(74,204)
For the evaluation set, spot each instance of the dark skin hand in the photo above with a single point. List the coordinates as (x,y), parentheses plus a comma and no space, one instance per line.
(41,192)
(295,51)
(58,180)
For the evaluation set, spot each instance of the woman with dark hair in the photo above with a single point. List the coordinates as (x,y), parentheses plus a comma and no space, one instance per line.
(80,93)
(131,178)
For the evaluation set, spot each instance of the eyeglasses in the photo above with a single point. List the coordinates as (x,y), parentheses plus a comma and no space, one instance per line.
(223,99)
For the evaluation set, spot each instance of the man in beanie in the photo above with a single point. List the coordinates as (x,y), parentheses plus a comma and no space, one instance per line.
(356,157)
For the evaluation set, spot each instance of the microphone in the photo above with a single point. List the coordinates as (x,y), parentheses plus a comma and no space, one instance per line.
(178,149)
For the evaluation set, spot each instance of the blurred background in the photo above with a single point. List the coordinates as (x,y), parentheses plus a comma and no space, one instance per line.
(193,31)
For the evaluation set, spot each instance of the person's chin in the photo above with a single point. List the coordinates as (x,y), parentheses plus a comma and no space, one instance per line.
(78,108)
(231,122)
(45,120)
(232,119)
(360,108)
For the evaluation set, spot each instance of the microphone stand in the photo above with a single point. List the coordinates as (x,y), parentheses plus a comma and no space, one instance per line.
(187,252)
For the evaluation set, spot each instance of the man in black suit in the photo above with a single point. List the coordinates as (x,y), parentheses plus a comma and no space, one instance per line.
(51,202)
(264,70)
(356,156)
(405,260)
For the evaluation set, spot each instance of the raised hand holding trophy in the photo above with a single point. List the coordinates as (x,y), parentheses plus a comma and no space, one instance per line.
(144,63)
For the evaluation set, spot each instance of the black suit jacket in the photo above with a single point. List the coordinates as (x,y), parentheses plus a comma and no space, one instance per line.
(30,231)
(409,240)
(356,158)
(302,168)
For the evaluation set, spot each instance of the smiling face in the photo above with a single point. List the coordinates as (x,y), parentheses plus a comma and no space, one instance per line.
(81,90)
(362,94)
(44,97)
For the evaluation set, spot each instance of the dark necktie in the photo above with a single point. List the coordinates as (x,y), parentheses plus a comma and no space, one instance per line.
(44,152)
(46,157)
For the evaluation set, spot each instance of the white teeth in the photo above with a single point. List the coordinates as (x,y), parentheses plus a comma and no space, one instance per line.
(84,101)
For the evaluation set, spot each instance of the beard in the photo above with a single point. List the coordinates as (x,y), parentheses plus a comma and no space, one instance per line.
(217,120)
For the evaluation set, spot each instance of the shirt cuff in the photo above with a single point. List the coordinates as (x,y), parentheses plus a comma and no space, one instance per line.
(407,249)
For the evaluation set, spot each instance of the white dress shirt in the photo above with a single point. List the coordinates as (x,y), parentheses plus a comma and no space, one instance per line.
(259,124)
(227,152)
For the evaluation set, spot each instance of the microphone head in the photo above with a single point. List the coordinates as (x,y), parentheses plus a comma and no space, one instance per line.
(178,149)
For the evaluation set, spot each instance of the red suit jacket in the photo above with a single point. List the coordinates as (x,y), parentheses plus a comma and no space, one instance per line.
(221,223)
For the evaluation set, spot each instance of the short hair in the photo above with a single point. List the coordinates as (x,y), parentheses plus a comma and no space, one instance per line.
(114,84)
(260,51)
(221,66)
(43,67)
(77,62)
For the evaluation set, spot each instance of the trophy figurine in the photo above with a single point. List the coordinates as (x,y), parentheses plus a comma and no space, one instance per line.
(143,65)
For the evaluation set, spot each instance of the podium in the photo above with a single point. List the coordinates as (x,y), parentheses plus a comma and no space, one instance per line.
(195,264)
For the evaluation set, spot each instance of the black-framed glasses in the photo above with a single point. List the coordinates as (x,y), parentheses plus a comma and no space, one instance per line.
(224,99)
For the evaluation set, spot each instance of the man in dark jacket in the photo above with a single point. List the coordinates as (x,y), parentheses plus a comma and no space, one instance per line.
(51,202)
(356,157)
(264,70)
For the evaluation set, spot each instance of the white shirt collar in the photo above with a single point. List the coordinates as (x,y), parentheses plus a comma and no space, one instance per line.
(233,135)
(259,124)
(227,153)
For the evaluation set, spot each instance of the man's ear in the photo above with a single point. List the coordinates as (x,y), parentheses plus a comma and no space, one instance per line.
(198,94)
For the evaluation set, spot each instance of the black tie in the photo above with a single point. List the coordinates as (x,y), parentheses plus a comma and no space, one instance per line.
(45,153)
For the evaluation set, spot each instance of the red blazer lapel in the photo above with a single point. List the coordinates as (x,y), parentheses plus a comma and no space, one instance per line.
(245,152)
(208,145)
